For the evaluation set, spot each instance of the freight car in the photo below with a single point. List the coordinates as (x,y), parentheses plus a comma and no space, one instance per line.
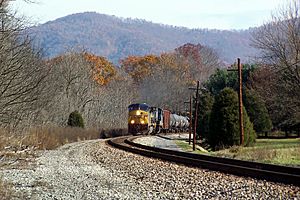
(143,119)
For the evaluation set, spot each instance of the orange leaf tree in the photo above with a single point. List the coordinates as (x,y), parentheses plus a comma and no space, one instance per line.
(103,70)
(139,67)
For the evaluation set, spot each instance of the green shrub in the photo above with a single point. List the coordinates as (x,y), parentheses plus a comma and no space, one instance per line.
(249,132)
(224,130)
(75,119)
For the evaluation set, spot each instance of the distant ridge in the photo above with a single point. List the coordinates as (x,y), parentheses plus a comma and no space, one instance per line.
(116,38)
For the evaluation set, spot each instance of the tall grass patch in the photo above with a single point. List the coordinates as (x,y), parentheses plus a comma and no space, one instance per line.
(53,137)
(8,139)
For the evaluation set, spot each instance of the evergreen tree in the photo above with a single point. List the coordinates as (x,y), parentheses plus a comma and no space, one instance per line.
(221,79)
(224,122)
(257,111)
(76,120)
(206,101)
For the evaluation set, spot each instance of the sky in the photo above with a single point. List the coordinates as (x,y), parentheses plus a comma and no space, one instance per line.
(211,14)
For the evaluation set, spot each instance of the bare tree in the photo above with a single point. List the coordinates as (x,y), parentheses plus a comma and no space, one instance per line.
(279,42)
(21,72)
(72,87)
(201,60)
(110,109)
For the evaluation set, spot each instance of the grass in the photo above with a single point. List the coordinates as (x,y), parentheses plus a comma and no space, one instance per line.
(277,143)
(274,151)
(189,147)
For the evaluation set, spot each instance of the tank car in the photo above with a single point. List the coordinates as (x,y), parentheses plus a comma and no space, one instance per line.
(185,123)
(175,122)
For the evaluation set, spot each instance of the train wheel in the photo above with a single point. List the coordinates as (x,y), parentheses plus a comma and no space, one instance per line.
(158,130)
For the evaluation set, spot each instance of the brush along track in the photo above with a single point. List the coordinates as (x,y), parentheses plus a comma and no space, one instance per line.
(282,174)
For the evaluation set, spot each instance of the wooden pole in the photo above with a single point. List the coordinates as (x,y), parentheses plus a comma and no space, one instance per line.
(241,103)
(190,128)
(196,118)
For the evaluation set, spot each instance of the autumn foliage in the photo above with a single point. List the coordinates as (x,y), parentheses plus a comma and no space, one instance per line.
(103,70)
(138,67)
(190,51)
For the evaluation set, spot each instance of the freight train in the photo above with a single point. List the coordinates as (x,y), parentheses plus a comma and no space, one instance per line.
(144,119)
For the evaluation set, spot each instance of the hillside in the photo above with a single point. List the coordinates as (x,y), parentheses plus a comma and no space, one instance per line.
(116,38)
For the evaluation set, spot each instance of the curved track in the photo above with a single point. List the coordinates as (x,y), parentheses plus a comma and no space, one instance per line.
(282,174)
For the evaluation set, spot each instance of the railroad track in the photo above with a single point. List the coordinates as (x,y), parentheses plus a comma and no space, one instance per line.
(276,173)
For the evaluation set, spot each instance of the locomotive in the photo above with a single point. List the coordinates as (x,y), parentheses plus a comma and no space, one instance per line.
(144,119)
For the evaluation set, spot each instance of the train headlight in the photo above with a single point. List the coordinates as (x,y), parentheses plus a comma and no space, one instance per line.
(132,121)
(142,122)
(138,112)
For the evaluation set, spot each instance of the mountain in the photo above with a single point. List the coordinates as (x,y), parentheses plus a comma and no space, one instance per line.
(116,38)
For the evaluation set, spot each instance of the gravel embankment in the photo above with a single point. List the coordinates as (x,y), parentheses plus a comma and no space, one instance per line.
(93,170)
(159,142)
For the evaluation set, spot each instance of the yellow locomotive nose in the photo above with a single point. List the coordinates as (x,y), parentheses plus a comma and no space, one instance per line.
(132,121)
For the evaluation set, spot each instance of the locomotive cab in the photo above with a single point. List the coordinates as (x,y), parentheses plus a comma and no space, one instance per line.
(138,118)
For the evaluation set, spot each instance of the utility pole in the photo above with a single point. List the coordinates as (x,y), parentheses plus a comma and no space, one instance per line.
(241,102)
(196,115)
(240,93)
(196,118)
(190,126)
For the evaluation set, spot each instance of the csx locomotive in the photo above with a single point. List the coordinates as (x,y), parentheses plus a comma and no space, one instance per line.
(144,119)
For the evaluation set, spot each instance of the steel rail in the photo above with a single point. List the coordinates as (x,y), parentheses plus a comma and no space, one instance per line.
(276,173)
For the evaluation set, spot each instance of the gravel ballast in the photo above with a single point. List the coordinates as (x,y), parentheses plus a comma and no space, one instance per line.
(94,170)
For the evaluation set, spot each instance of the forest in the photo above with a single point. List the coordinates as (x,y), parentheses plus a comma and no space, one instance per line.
(43,92)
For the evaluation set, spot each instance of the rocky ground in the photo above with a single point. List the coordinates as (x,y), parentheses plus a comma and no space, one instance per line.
(93,170)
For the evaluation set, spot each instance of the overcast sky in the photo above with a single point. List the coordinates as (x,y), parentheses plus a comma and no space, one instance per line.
(212,14)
